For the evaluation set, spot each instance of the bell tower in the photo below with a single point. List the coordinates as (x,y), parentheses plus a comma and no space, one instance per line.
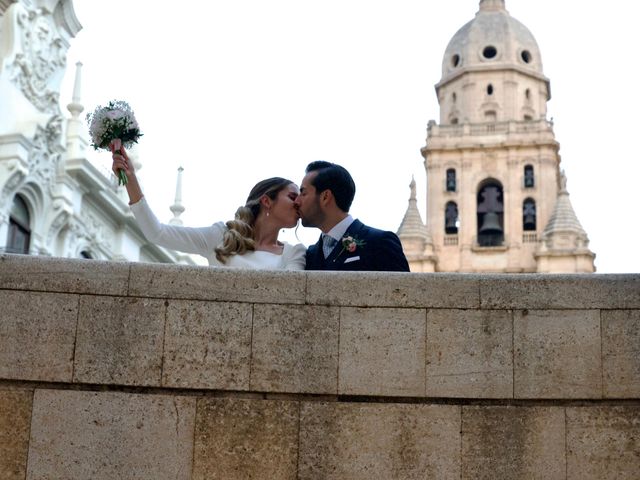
(492,161)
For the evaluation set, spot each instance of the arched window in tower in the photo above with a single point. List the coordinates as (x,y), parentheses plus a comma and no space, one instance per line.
(451,180)
(455,60)
(529,180)
(529,215)
(19,235)
(490,214)
(454,97)
(525,55)
(451,220)
(527,95)
(489,89)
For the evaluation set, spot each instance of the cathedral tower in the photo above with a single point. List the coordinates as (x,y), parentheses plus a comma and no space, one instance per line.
(492,162)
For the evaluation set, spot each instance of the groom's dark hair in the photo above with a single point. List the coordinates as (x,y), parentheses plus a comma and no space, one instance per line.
(335,178)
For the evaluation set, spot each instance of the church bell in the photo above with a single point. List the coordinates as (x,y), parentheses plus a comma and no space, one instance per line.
(490,224)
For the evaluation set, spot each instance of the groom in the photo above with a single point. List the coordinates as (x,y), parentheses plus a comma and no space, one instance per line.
(326,194)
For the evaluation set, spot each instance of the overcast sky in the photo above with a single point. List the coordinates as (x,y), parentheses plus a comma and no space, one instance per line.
(237,91)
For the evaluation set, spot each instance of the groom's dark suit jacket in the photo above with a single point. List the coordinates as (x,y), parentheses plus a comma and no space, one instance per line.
(381,252)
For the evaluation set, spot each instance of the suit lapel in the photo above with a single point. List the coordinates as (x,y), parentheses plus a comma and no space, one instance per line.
(339,254)
(317,257)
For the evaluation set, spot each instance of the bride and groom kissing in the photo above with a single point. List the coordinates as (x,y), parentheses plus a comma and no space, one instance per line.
(250,240)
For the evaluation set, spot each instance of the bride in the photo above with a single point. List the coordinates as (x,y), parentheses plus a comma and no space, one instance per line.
(250,240)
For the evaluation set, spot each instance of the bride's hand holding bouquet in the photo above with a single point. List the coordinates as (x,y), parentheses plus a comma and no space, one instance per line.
(112,128)
(122,165)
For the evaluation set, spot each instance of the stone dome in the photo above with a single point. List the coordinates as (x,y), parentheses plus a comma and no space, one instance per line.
(493,39)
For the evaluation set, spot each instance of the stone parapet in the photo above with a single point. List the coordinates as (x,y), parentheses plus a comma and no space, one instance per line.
(125,370)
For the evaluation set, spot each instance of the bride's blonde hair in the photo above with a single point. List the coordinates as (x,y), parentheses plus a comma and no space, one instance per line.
(238,238)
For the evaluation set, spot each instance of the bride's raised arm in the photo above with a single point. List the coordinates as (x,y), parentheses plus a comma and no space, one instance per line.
(122,162)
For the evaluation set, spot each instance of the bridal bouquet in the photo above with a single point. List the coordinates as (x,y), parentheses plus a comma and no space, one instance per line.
(112,127)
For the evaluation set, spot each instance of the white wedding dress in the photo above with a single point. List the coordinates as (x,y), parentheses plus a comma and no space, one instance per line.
(204,240)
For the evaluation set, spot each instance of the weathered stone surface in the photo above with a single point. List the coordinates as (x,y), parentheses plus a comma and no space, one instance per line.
(119,341)
(393,289)
(15,420)
(513,442)
(295,349)
(603,443)
(26,272)
(469,353)
(37,335)
(106,435)
(382,351)
(207,345)
(557,354)
(535,291)
(621,353)
(246,439)
(385,441)
(219,284)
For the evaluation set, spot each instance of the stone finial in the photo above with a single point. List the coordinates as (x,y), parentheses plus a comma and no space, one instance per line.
(75,107)
(412,225)
(177,208)
(77,133)
(563,220)
(563,183)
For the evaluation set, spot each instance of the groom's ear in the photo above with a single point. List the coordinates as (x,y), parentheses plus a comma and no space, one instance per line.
(326,196)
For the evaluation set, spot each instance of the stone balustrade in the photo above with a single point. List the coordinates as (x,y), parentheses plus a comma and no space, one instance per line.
(131,370)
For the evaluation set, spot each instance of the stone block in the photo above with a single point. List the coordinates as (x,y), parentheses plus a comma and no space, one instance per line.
(50,274)
(217,284)
(382,351)
(107,435)
(603,443)
(242,439)
(207,345)
(295,349)
(621,353)
(557,354)
(536,291)
(15,421)
(119,341)
(393,289)
(470,353)
(513,442)
(37,334)
(362,441)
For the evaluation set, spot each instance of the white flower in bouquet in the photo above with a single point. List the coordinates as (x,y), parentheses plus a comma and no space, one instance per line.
(113,126)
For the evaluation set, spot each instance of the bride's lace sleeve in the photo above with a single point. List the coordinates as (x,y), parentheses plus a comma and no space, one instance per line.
(184,239)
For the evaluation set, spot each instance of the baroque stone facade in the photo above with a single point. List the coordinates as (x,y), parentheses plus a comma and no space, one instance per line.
(53,201)
(494,185)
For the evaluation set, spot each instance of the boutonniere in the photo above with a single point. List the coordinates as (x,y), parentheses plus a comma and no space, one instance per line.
(349,244)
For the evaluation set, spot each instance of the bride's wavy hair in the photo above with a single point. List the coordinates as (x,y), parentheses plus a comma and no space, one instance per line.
(238,238)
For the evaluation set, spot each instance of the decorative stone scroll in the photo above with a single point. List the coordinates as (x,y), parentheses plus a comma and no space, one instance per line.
(42,55)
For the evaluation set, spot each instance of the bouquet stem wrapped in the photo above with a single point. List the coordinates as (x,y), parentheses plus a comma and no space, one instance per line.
(113,127)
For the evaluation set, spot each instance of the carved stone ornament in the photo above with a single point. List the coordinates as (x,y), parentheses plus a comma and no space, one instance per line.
(46,152)
(43,54)
(60,219)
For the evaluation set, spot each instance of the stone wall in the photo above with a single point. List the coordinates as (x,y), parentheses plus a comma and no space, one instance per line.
(144,371)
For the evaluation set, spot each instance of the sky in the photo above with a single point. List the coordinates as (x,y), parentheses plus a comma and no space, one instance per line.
(237,91)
